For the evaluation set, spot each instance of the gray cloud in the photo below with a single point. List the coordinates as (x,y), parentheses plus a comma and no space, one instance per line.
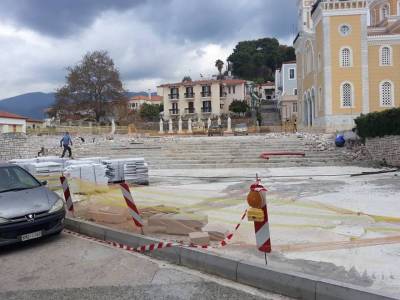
(60,17)
(151,41)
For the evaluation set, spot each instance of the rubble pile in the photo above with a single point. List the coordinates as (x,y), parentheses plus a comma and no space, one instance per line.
(318,142)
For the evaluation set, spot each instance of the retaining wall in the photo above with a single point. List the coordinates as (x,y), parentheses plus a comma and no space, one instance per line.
(296,285)
(15,145)
(385,149)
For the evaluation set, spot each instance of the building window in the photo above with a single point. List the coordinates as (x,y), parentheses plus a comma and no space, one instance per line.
(345,30)
(174,93)
(295,107)
(385,12)
(398,7)
(295,92)
(206,91)
(347,95)
(189,92)
(345,57)
(206,107)
(319,61)
(234,89)
(292,74)
(386,56)
(386,93)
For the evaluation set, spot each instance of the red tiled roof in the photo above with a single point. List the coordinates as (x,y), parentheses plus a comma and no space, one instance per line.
(146,98)
(34,121)
(268,83)
(204,82)
(4,114)
(289,62)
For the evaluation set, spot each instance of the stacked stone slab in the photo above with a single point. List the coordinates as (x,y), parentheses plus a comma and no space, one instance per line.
(385,150)
(14,146)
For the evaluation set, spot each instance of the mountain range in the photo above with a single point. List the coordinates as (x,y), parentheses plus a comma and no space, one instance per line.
(33,105)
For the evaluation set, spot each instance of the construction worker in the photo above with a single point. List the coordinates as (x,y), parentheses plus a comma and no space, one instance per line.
(65,142)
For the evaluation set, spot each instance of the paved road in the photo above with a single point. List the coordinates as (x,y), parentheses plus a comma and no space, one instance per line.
(69,267)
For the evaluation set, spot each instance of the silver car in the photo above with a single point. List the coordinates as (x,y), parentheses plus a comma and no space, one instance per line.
(28,209)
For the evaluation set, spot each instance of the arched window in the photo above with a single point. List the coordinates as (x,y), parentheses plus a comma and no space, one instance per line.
(386,93)
(386,56)
(385,12)
(309,58)
(398,7)
(345,57)
(347,94)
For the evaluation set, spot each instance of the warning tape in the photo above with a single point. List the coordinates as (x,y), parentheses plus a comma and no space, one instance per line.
(161,245)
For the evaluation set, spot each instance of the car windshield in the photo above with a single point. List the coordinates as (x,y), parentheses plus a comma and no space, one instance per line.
(14,178)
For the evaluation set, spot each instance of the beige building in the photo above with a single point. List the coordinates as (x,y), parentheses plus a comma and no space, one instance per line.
(348,60)
(11,123)
(201,99)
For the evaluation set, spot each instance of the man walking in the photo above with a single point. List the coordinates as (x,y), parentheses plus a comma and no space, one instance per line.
(65,142)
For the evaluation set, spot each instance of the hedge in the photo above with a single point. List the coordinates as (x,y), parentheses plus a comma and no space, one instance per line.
(379,124)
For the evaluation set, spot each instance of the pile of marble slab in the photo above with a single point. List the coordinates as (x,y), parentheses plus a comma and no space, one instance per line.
(42,165)
(99,170)
(89,172)
(133,170)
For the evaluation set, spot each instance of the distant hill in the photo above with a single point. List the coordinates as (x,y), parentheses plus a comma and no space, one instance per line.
(33,105)
(30,105)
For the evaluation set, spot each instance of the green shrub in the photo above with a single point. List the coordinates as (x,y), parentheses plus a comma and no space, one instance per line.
(379,124)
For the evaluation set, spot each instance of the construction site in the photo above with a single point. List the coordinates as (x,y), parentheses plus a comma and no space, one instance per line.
(333,212)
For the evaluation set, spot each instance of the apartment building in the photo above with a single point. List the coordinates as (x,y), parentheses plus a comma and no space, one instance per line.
(202,98)
(286,90)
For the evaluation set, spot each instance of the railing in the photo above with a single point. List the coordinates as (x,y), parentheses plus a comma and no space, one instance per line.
(173,96)
(174,112)
(339,4)
(206,94)
(189,111)
(206,110)
(189,95)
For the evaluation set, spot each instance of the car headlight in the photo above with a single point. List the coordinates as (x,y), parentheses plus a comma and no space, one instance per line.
(59,205)
(3,221)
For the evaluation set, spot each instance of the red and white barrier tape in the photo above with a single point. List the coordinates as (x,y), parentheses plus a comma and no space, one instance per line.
(161,245)
(226,240)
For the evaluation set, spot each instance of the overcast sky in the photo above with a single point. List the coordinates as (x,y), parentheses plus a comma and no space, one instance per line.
(151,41)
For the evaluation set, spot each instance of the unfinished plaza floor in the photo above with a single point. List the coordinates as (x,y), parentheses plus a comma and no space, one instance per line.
(323,220)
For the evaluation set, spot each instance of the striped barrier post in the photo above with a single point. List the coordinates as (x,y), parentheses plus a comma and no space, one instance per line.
(67,194)
(263,237)
(133,211)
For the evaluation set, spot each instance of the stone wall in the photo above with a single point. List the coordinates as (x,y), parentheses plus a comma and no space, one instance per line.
(385,149)
(14,145)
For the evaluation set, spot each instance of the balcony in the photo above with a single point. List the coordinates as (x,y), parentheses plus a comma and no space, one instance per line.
(173,96)
(206,110)
(190,111)
(205,94)
(174,112)
(189,95)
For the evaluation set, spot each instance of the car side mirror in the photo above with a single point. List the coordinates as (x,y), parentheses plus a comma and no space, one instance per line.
(44,182)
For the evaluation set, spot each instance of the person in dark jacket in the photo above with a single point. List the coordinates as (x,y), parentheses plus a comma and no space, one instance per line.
(66,142)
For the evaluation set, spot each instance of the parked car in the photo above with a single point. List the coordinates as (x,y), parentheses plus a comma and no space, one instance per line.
(240,129)
(216,130)
(28,209)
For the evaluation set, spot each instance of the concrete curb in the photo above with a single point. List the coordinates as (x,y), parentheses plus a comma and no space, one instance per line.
(294,285)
